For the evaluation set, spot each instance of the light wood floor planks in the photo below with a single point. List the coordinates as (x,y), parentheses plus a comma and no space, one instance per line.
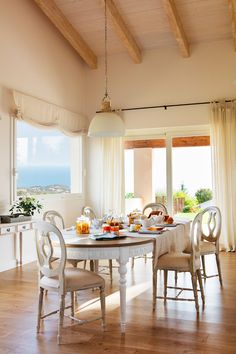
(174,328)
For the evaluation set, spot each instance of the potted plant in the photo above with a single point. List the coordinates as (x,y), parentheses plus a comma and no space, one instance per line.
(26,205)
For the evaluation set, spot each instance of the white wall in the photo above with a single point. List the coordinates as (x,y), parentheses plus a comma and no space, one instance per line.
(164,77)
(35,59)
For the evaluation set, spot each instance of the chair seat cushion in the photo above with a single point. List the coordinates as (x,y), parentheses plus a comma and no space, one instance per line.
(176,261)
(75,279)
(207,247)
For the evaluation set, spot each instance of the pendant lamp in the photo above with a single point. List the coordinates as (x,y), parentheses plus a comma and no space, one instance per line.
(106,123)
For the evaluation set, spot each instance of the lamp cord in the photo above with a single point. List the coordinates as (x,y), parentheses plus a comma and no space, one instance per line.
(105,35)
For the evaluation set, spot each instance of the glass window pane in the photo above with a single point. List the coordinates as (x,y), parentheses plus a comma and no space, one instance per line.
(43,160)
(191,172)
(159,174)
(129,172)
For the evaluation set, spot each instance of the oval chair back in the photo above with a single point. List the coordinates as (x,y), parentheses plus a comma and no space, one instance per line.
(89,212)
(212,228)
(54,218)
(210,237)
(45,236)
(156,207)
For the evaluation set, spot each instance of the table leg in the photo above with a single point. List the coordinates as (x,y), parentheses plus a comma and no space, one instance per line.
(20,247)
(124,257)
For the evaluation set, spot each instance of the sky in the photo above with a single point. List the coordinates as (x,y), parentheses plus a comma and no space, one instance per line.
(41,147)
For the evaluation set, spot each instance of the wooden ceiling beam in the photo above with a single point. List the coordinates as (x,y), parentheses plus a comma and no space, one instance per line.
(124,33)
(232,9)
(55,15)
(176,26)
(187,141)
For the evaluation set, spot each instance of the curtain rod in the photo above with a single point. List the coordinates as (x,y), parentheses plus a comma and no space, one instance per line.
(165,106)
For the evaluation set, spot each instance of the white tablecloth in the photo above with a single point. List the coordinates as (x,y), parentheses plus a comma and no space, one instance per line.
(172,239)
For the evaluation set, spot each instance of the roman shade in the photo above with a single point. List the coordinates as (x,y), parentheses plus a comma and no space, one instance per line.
(44,114)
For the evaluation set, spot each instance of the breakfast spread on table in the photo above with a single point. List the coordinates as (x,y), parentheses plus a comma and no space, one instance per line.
(138,223)
(112,227)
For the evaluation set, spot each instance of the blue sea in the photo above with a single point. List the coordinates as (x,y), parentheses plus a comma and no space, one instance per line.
(43,176)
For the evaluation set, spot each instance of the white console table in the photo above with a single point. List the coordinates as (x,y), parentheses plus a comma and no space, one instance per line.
(17,229)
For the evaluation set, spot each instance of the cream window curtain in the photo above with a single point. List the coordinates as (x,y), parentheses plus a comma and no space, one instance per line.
(223,142)
(44,114)
(112,190)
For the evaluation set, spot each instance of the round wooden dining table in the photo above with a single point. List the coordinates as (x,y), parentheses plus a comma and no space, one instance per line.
(120,249)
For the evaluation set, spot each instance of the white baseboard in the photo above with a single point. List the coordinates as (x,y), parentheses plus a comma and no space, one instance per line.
(8,265)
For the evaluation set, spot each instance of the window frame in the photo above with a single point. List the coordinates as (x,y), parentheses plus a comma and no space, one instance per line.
(168,134)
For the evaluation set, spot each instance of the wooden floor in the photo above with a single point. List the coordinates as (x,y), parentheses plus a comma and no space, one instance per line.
(173,328)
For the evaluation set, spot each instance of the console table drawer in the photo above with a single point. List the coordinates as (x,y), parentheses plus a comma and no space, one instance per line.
(7,230)
(24,227)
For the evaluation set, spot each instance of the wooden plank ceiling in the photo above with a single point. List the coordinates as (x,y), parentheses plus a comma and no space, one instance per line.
(135,26)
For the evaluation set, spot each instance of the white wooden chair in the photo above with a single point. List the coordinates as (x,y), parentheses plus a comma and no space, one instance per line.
(148,209)
(182,262)
(155,207)
(56,219)
(56,277)
(210,234)
(89,212)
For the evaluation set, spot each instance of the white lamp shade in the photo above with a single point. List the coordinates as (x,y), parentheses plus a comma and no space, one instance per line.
(106,124)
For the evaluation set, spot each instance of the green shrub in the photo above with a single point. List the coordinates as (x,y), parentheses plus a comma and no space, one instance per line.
(129,195)
(190,203)
(203,195)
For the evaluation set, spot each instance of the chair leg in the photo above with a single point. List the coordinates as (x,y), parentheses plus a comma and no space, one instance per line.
(91,265)
(199,276)
(102,299)
(145,258)
(61,318)
(132,264)
(165,283)
(74,263)
(219,269)
(72,294)
(85,262)
(203,266)
(194,283)
(154,289)
(40,306)
(110,269)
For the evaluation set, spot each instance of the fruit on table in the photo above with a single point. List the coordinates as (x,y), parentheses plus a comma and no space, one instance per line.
(170,220)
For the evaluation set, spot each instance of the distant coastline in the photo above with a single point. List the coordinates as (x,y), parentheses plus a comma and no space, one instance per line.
(43,180)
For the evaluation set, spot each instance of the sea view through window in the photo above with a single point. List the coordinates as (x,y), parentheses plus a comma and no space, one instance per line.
(43,160)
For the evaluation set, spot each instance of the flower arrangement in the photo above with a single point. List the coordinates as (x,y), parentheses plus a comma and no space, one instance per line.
(26,205)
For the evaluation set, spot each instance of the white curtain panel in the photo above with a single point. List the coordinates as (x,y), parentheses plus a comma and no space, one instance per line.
(43,114)
(223,142)
(112,189)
